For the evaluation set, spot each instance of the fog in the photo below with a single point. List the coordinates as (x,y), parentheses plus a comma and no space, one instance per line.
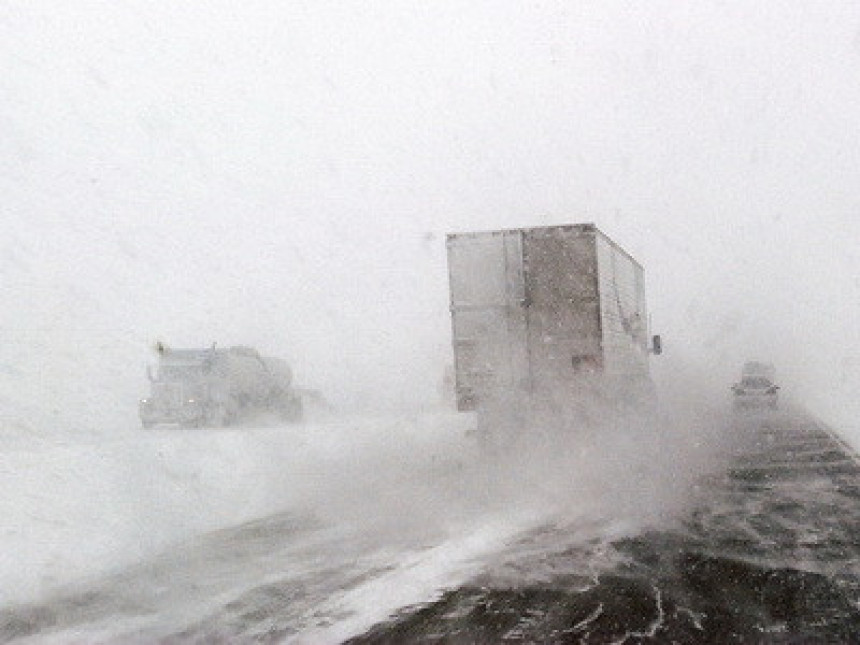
(282,175)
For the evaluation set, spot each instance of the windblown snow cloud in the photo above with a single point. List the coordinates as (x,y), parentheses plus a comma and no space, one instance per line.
(282,176)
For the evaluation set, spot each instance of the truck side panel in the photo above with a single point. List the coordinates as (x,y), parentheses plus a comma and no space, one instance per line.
(488,319)
(622,306)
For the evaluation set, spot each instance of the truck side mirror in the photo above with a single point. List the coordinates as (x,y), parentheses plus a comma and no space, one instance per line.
(656,345)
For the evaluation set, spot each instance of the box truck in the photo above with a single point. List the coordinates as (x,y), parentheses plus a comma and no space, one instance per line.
(554,313)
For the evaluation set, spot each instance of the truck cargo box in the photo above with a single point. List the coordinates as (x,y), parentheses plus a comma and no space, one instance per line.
(540,308)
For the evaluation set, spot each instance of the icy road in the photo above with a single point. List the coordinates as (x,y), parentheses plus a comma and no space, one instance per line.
(411,543)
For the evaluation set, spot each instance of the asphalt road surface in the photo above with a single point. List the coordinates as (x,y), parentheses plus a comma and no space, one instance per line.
(768,552)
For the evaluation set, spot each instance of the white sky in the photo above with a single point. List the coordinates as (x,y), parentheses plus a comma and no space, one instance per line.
(282,174)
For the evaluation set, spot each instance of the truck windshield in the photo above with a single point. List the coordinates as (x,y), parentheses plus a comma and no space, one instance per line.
(180,372)
(756,381)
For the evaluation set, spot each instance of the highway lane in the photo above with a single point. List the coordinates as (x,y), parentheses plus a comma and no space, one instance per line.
(766,550)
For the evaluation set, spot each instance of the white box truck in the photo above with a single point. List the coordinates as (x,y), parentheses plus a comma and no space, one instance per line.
(555,311)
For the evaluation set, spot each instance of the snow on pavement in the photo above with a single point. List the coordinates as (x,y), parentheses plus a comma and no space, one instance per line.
(74,511)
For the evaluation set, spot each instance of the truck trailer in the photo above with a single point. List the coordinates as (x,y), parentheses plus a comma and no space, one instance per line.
(547,313)
(217,387)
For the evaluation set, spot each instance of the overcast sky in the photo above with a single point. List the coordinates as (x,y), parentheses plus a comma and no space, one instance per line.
(282,173)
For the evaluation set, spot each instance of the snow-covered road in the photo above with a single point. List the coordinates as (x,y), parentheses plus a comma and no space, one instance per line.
(283,577)
(78,509)
(316,532)
(766,553)
(343,521)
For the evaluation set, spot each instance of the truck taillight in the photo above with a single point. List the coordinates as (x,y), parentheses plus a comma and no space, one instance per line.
(587,363)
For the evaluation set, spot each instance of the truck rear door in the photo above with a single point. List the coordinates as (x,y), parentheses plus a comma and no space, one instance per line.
(488,315)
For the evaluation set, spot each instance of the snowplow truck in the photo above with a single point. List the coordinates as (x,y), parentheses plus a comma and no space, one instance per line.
(217,387)
(552,314)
